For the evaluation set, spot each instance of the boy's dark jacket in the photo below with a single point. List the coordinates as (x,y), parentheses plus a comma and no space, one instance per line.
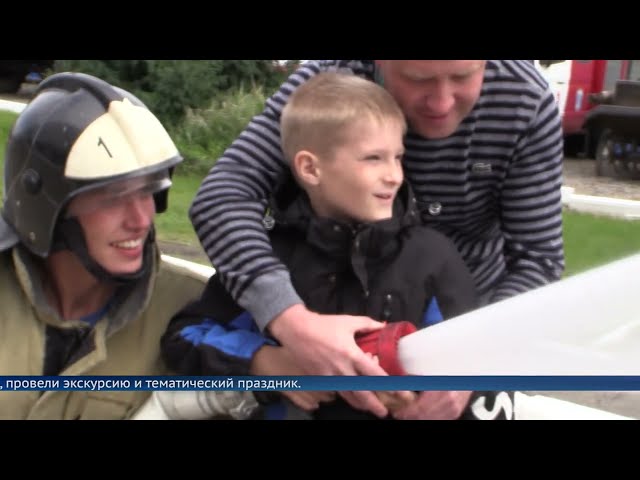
(389,270)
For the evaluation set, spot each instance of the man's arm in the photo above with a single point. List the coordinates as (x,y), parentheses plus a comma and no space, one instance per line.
(229,207)
(531,207)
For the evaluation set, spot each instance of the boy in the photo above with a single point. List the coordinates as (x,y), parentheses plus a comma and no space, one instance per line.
(347,227)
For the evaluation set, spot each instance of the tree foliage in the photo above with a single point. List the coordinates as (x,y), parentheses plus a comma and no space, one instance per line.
(171,87)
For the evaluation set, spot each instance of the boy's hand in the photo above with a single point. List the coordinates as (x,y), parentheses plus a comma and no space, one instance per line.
(432,405)
(271,360)
(395,401)
(307,400)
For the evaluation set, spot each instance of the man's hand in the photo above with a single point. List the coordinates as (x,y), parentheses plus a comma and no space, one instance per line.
(325,345)
(432,405)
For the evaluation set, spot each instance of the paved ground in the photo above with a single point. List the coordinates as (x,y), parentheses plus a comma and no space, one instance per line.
(580,174)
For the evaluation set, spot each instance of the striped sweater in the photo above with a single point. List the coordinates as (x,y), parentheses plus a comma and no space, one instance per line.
(493,187)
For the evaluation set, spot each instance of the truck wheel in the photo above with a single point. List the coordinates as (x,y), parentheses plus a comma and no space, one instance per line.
(591,142)
(604,155)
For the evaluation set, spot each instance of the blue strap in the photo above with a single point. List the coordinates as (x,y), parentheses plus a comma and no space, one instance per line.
(433,314)
(93,318)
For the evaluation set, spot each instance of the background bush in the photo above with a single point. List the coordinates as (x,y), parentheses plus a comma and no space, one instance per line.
(204,134)
(171,87)
(204,104)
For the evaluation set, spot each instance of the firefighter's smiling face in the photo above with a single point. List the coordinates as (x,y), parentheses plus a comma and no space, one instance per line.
(116,224)
(435,95)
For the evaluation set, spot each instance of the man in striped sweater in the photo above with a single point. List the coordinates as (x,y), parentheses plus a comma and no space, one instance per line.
(484,157)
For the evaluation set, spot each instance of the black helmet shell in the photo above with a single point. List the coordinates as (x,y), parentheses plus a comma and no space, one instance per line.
(78,133)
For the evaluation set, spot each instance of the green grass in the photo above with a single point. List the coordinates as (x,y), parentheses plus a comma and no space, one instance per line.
(174,224)
(6,120)
(590,241)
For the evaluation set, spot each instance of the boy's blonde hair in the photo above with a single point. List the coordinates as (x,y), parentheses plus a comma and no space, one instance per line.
(320,113)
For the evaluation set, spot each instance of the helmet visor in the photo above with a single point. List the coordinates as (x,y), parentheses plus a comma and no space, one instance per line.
(118,193)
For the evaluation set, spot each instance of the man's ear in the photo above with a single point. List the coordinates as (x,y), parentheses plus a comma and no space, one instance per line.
(307,167)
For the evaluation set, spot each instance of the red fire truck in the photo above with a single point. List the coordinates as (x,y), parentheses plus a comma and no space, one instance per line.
(577,85)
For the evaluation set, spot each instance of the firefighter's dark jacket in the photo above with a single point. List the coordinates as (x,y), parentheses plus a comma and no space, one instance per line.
(124,341)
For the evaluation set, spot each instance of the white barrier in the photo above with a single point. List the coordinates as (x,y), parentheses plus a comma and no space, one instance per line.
(203,270)
(611,207)
(15,107)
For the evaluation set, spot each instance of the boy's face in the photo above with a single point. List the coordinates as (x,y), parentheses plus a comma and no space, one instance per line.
(362,178)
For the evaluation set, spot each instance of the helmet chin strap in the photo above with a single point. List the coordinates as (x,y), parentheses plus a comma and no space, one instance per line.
(69,236)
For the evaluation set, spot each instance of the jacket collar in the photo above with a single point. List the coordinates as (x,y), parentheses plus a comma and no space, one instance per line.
(291,209)
(129,303)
